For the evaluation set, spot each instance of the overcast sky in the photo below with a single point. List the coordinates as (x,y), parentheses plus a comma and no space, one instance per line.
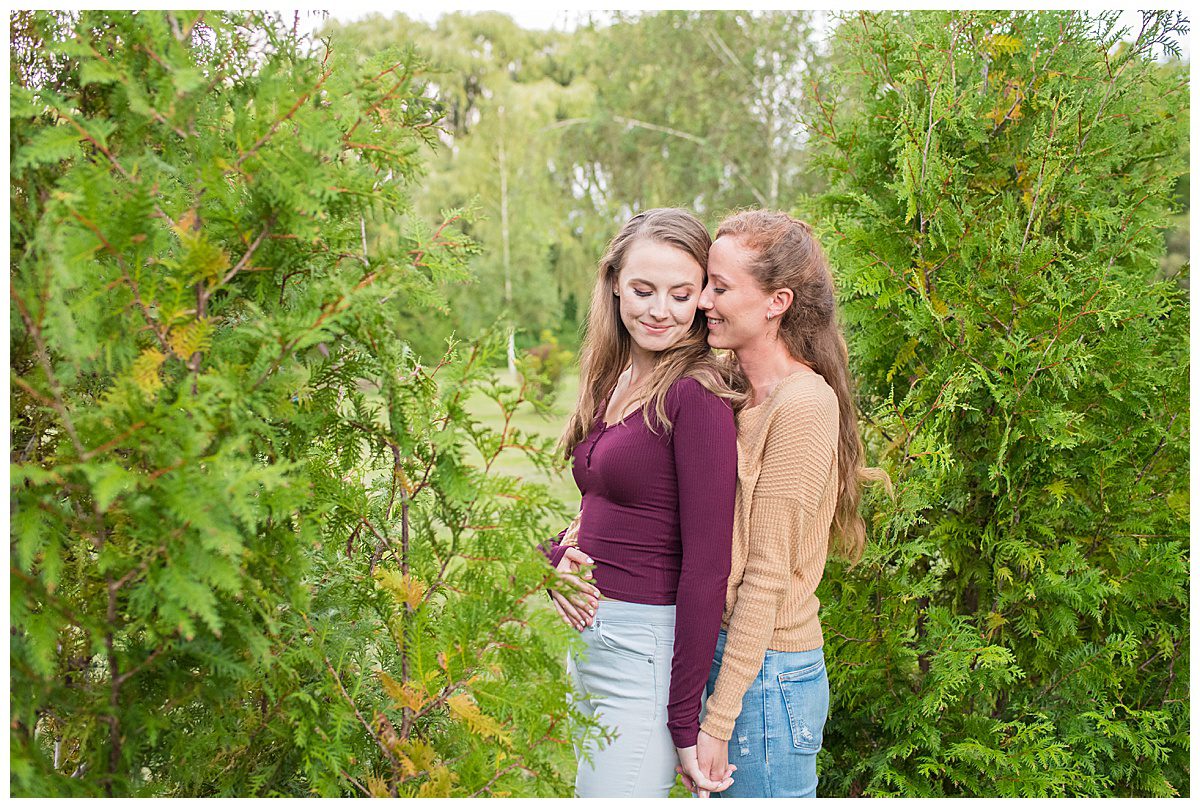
(528,16)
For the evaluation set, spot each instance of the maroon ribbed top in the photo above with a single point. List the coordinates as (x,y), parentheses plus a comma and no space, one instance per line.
(657,518)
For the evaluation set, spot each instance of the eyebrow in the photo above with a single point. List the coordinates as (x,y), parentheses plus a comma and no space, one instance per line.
(719,278)
(676,286)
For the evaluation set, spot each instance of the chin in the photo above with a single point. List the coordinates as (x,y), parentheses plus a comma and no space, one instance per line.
(653,345)
(660,343)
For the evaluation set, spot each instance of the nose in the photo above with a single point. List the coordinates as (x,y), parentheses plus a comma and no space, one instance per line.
(706,299)
(658,308)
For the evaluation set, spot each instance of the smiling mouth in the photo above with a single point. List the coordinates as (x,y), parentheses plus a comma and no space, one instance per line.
(712,321)
(655,329)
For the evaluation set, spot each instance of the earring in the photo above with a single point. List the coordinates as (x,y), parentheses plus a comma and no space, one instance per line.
(769,316)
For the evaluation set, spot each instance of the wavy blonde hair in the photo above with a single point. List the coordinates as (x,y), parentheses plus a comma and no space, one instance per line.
(606,343)
(788,255)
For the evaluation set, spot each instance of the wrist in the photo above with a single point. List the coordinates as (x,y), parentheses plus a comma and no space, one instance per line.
(717,730)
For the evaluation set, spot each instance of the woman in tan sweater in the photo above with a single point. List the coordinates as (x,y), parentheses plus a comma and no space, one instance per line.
(769,300)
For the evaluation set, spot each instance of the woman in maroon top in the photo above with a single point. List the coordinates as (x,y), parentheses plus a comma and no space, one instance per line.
(654,453)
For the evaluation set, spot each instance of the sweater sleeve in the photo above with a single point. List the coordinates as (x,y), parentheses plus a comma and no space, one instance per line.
(554,549)
(785,544)
(704,436)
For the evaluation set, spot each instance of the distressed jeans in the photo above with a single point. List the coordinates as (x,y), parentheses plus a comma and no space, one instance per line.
(778,733)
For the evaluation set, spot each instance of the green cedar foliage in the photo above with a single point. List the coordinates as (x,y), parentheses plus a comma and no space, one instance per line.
(1018,627)
(256,548)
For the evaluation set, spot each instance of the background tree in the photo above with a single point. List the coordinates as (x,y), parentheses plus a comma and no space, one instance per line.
(719,130)
(257,548)
(999,187)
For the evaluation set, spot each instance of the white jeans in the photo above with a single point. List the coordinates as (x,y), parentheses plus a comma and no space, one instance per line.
(622,678)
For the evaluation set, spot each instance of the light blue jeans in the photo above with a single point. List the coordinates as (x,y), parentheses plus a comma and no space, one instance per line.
(622,679)
(778,733)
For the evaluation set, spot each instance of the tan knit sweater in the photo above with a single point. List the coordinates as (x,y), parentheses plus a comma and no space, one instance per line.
(786,496)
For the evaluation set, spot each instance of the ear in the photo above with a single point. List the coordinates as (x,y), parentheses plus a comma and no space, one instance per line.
(781,301)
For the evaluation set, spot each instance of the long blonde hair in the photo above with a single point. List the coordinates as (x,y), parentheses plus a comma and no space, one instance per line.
(606,343)
(787,255)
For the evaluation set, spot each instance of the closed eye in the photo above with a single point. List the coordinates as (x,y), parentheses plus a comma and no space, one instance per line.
(683,299)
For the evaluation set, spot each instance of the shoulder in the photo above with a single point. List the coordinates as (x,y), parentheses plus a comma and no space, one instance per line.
(688,390)
(689,400)
(805,404)
(805,390)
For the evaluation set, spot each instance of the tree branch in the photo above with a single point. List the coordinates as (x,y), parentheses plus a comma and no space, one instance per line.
(154,327)
(43,356)
(242,264)
(258,144)
(353,706)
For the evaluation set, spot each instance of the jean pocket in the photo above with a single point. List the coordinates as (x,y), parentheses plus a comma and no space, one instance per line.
(627,639)
(806,697)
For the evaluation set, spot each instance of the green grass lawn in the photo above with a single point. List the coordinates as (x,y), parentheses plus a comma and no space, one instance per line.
(514,462)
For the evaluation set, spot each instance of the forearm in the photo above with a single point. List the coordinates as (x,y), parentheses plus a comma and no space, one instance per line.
(746,642)
(698,608)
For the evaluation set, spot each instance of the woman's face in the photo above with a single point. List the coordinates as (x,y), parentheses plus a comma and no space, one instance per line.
(658,287)
(735,305)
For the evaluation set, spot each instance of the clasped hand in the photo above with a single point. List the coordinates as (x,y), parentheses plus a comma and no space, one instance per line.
(576,598)
(705,767)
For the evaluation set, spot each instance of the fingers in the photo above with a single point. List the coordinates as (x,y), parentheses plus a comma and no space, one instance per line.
(586,604)
(719,775)
(577,584)
(719,781)
(568,611)
(705,784)
(702,783)
(583,602)
(562,615)
(576,559)
(687,781)
(703,793)
(569,574)
(575,599)
(572,612)
(578,556)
